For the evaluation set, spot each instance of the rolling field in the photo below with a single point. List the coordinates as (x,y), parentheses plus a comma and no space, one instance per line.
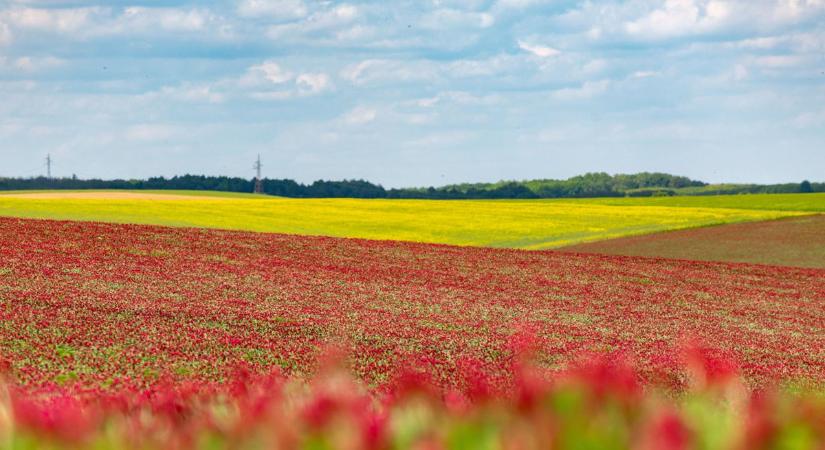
(781,202)
(129,336)
(528,224)
(798,242)
(142,337)
(97,305)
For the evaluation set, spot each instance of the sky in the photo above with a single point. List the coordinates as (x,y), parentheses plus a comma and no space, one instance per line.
(414,93)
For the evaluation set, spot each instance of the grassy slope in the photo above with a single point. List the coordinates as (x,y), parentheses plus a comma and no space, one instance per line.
(500,223)
(796,241)
(776,202)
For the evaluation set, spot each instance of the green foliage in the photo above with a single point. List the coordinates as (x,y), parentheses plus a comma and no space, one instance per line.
(599,184)
(588,185)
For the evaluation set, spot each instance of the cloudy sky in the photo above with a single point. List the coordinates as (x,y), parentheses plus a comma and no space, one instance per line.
(414,92)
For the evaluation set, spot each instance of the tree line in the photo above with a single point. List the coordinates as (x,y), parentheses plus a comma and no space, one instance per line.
(587,185)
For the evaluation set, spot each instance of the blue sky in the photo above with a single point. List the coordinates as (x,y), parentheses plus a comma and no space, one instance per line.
(422,92)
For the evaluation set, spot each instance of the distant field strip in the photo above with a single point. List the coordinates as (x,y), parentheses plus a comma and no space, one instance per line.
(145,193)
(529,224)
(774,202)
(795,241)
(108,195)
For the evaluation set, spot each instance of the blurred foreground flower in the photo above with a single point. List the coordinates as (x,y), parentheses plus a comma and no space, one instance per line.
(596,404)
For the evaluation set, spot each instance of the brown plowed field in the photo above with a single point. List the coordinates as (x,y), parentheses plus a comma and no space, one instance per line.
(798,242)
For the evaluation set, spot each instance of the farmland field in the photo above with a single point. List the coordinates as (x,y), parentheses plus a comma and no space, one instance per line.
(798,241)
(116,336)
(127,193)
(98,305)
(783,202)
(528,224)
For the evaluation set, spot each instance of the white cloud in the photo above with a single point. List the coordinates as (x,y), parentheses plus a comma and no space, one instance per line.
(169,19)
(694,17)
(268,72)
(355,33)
(759,43)
(313,83)
(327,19)
(271,95)
(516,5)
(360,115)
(594,66)
(446,18)
(427,102)
(799,42)
(440,139)
(538,50)
(782,61)
(269,81)
(340,14)
(32,64)
(588,89)
(62,20)
(355,73)
(103,21)
(418,119)
(386,70)
(24,63)
(276,9)
(483,67)
(645,74)
(5,34)
(150,132)
(796,9)
(460,4)
(810,119)
(680,17)
(192,93)
(594,33)
(551,135)
(458,97)
(779,61)
(740,72)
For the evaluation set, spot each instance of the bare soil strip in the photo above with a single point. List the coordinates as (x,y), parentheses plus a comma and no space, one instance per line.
(797,242)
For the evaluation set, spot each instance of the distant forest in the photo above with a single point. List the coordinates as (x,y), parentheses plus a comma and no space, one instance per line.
(589,185)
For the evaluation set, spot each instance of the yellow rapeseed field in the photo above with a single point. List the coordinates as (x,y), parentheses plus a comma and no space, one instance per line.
(528,224)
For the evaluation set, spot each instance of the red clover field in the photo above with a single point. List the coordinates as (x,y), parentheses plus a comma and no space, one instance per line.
(141,314)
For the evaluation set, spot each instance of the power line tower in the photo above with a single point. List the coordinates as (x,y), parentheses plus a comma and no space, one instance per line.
(48,165)
(259,186)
